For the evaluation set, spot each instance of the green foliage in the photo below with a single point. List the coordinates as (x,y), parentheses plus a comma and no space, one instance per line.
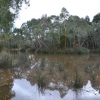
(8,12)
(62,41)
(43,51)
(5,61)
(41,81)
(96,18)
(77,80)
(24,47)
(95,51)
(81,50)
(13,45)
(47,34)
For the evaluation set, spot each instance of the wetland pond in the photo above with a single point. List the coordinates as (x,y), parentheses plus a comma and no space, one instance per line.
(51,77)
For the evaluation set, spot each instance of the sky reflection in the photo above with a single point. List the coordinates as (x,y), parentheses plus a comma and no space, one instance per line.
(25,91)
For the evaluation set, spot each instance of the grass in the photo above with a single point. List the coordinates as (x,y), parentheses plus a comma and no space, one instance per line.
(41,81)
(80,50)
(5,61)
(77,80)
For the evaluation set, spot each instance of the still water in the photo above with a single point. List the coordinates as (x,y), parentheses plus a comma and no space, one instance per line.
(20,81)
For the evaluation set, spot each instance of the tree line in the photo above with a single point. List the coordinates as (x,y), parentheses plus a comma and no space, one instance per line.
(62,32)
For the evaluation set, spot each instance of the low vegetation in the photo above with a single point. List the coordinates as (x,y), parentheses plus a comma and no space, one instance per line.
(41,81)
(77,80)
(5,61)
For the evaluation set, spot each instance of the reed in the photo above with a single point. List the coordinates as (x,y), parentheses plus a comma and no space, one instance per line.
(78,83)
(5,61)
(41,81)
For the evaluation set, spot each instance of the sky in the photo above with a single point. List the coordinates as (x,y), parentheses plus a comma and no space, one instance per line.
(38,8)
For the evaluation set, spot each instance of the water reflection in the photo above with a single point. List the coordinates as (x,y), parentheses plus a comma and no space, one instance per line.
(25,91)
(20,81)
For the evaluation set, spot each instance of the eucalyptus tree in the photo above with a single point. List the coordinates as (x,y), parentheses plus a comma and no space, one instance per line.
(96,18)
(96,35)
(88,19)
(18,38)
(54,32)
(63,19)
(9,10)
(35,31)
(29,29)
(52,35)
(80,29)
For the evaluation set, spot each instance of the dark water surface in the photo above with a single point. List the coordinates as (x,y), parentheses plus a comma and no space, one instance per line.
(20,82)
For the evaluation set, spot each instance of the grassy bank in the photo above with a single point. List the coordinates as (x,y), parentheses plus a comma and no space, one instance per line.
(67,51)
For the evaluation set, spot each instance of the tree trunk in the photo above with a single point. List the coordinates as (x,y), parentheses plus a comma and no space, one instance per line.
(65,37)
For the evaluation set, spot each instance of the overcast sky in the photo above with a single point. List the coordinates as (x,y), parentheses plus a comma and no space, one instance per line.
(37,8)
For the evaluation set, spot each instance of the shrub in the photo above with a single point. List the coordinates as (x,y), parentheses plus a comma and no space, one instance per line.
(43,51)
(22,50)
(41,81)
(77,80)
(81,50)
(5,61)
(95,51)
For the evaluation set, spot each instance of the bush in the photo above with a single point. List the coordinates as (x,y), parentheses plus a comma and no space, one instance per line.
(95,51)
(5,61)
(22,49)
(41,81)
(81,50)
(43,51)
(77,80)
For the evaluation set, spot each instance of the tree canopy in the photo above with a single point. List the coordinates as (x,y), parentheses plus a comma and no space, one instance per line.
(8,12)
(55,32)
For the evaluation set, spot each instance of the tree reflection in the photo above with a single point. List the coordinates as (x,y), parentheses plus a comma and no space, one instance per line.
(6,84)
(29,66)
